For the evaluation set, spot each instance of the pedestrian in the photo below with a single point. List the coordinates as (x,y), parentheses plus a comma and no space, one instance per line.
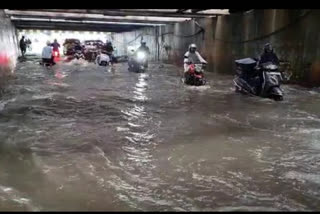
(47,56)
(23,46)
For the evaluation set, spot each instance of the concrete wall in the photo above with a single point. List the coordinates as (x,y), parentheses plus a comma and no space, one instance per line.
(8,43)
(295,35)
(123,41)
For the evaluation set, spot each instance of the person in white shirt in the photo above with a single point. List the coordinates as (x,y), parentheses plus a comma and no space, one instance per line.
(47,56)
(192,56)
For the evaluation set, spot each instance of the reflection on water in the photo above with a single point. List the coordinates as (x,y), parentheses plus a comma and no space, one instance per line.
(78,137)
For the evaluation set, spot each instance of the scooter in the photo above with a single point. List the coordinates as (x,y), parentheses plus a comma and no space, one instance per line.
(56,54)
(103,59)
(194,76)
(138,63)
(263,80)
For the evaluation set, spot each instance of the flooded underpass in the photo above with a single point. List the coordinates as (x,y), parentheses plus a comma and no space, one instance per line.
(81,137)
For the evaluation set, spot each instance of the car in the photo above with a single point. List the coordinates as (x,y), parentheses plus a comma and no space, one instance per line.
(68,46)
(92,48)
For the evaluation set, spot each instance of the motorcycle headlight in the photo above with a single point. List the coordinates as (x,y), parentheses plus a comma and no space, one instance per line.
(141,55)
(273,67)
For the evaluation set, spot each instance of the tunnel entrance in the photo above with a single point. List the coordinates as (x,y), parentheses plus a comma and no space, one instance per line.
(39,38)
(126,28)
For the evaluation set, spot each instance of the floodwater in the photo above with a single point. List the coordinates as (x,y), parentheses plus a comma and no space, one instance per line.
(77,137)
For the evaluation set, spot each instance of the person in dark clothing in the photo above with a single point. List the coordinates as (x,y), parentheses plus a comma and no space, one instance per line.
(109,47)
(78,47)
(268,55)
(23,46)
(56,47)
(109,50)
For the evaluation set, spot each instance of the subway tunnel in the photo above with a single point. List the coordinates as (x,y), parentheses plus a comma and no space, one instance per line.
(82,137)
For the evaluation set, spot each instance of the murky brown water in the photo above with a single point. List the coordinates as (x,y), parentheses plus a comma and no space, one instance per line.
(76,137)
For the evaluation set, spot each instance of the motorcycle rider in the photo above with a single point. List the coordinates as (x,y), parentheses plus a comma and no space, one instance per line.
(56,46)
(192,56)
(143,48)
(268,55)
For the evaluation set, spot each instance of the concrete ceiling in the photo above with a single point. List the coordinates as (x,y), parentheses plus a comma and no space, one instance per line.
(110,20)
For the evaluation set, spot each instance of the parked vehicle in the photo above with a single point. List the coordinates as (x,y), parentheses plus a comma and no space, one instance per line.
(92,48)
(68,46)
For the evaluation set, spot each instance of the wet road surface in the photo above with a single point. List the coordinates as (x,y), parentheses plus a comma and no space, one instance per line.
(80,137)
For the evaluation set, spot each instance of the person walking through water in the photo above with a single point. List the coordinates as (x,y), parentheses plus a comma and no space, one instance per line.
(23,46)
(47,57)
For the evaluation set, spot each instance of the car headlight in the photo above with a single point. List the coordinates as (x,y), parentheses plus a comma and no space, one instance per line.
(141,55)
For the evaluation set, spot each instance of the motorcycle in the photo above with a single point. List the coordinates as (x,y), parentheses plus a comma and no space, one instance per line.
(78,55)
(138,63)
(194,76)
(55,53)
(263,80)
(103,59)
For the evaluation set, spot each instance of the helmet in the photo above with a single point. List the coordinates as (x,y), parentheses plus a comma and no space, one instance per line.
(48,42)
(268,48)
(192,47)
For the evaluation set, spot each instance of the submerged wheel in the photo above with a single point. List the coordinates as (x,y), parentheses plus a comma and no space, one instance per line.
(278,98)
